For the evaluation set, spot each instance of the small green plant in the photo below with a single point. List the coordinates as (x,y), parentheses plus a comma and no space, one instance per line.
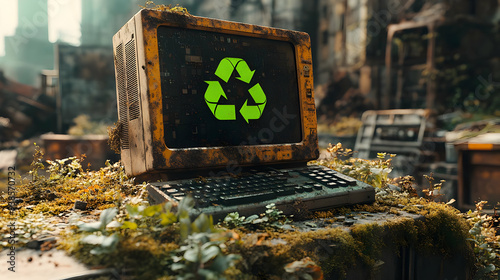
(201,254)
(148,219)
(373,172)
(103,239)
(273,214)
(201,257)
(64,168)
(406,183)
(273,217)
(36,164)
(432,193)
(486,243)
(233,220)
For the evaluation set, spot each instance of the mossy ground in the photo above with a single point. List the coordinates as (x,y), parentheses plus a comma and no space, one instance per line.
(442,230)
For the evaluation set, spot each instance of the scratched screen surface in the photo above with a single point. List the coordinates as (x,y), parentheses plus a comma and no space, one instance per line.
(227,90)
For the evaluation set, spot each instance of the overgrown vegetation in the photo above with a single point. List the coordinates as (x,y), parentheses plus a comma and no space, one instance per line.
(373,172)
(485,233)
(180,248)
(166,8)
(54,186)
(121,230)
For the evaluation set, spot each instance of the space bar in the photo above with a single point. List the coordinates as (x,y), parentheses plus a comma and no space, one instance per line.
(247,198)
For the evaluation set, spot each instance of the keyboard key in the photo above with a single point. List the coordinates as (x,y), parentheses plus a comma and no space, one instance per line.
(342,183)
(299,189)
(317,187)
(307,188)
(285,191)
(179,197)
(350,181)
(332,185)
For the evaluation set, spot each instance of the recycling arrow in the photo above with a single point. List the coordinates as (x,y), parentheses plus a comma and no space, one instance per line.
(228,64)
(215,91)
(212,96)
(253,112)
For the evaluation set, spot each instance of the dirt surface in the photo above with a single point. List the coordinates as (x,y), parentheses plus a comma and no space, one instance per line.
(37,265)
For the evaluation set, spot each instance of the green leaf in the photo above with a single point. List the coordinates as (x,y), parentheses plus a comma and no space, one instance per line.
(99,251)
(489,268)
(93,239)
(192,254)
(220,264)
(107,216)
(251,218)
(184,227)
(178,266)
(152,210)
(261,220)
(114,224)
(167,207)
(167,218)
(185,206)
(110,241)
(133,211)
(90,227)
(209,252)
(130,225)
(208,274)
(201,224)
(270,206)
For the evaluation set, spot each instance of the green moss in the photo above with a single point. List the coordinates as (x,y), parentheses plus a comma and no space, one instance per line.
(137,254)
(369,237)
(441,231)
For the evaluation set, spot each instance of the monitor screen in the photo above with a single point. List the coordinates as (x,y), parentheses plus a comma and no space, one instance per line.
(226,90)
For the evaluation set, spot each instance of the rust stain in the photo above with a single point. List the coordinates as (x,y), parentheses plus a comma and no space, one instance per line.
(167,159)
(480,146)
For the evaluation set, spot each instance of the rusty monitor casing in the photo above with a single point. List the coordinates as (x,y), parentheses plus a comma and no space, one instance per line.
(170,120)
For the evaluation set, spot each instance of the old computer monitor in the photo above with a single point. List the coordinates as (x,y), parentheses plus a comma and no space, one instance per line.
(199,93)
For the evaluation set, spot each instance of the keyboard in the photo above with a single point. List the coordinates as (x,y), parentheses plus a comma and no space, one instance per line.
(248,193)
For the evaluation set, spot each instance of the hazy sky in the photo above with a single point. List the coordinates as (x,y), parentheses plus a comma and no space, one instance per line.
(64,20)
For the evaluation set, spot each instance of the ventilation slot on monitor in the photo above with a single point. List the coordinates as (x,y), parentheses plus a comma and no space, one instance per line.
(122,96)
(132,85)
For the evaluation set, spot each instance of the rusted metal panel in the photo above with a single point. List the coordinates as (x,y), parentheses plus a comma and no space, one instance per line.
(478,173)
(148,151)
(94,147)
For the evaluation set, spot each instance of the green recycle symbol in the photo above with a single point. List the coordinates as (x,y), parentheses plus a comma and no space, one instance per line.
(215,91)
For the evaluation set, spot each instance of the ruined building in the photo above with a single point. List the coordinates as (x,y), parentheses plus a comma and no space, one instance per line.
(29,51)
(407,54)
